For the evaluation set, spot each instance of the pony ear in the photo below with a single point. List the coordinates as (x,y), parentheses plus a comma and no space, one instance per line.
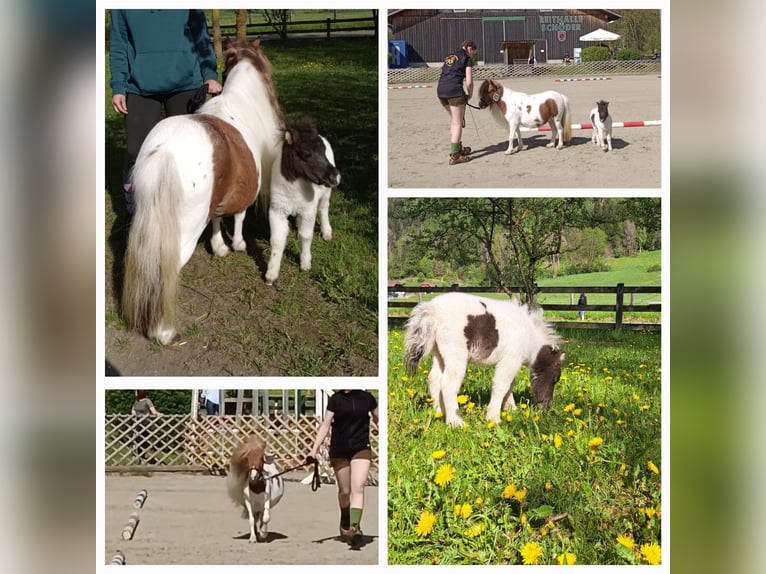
(226,43)
(256,43)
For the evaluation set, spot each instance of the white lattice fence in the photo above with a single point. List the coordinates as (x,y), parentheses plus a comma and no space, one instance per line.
(173,442)
(554,71)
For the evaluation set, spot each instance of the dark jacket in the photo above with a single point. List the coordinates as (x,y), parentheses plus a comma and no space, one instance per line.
(452,75)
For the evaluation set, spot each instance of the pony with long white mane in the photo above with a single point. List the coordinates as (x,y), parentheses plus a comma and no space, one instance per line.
(516,109)
(457,328)
(254,483)
(193,169)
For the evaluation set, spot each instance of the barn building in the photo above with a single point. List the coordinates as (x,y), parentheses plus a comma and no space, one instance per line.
(503,36)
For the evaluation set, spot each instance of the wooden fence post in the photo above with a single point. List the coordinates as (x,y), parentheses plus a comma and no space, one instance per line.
(328,28)
(619,310)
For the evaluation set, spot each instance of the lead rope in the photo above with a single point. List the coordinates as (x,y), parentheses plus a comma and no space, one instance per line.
(315,481)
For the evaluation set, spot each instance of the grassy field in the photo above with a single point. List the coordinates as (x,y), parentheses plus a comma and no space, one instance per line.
(579,483)
(321,322)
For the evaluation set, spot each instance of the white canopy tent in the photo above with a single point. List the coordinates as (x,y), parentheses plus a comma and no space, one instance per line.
(599,35)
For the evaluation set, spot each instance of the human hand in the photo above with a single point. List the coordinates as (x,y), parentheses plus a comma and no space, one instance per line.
(213,87)
(120,104)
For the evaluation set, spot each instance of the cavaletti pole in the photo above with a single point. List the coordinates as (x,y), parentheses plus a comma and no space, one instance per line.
(140,498)
(639,124)
(130,527)
(118,559)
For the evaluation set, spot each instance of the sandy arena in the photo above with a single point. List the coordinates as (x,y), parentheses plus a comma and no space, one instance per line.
(189,519)
(418,140)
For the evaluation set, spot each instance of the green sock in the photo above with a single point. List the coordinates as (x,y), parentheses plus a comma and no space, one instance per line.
(356,517)
(454,147)
(345,517)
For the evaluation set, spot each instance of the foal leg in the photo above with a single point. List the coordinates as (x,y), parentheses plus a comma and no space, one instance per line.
(324,215)
(238,242)
(502,387)
(250,515)
(435,381)
(305,223)
(452,378)
(216,240)
(280,227)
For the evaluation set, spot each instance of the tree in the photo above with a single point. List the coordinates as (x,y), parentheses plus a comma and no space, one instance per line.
(585,250)
(278,20)
(217,47)
(241,23)
(640,30)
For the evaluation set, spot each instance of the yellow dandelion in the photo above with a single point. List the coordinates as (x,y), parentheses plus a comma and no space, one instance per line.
(444,474)
(594,443)
(508,418)
(463,510)
(520,494)
(570,434)
(557,440)
(410,392)
(620,422)
(523,519)
(491,424)
(405,378)
(438,454)
(651,553)
(425,524)
(508,491)
(548,486)
(531,553)
(644,407)
(577,412)
(537,418)
(567,559)
(569,408)
(653,467)
(485,444)
(437,415)
(626,541)
(474,530)
(523,406)
(636,397)
(462,399)
(526,414)
(469,406)
(623,466)
(429,400)
(478,501)
(544,437)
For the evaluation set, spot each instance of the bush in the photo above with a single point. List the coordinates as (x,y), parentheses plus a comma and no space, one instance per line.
(595,54)
(169,402)
(654,268)
(627,54)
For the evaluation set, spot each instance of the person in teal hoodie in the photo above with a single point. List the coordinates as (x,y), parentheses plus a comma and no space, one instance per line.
(158,60)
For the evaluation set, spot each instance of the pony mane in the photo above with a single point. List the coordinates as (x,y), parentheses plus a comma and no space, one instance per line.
(536,315)
(236,51)
(246,452)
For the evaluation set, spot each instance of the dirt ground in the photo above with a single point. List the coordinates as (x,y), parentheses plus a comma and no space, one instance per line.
(418,140)
(189,519)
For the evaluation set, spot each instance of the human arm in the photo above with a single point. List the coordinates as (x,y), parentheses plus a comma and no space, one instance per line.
(204,48)
(119,45)
(469,81)
(322,431)
(374,414)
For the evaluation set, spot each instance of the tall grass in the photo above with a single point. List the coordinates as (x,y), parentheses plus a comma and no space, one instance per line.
(542,487)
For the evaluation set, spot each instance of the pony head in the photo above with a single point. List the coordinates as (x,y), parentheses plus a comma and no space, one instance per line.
(304,154)
(603,110)
(490,93)
(544,374)
(248,460)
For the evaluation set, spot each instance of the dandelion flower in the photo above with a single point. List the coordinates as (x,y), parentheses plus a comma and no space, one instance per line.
(523,406)
(570,434)
(531,553)
(425,524)
(548,486)
(478,501)
(508,418)
(651,553)
(594,443)
(444,474)
(410,392)
(438,454)
(544,437)
(463,510)
(567,559)
(557,440)
(469,406)
(653,467)
(508,491)
(462,399)
(569,408)
(485,444)
(626,541)
(437,415)
(474,530)
(520,494)
(491,424)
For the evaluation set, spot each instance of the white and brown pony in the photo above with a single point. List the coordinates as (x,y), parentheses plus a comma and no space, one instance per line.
(515,109)
(254,484)
(302,179)
(190,170)
(602,125)
(457,328)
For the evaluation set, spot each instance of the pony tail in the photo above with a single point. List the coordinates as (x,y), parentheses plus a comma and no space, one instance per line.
(151,260)
(567,121)
(420,336)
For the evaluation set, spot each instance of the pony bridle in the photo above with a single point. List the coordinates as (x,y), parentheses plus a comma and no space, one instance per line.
(257,484)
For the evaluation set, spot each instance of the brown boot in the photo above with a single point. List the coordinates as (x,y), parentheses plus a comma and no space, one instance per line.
(457,157)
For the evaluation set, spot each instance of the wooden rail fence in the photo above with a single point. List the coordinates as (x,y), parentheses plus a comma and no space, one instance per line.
(327,27)
(619,308)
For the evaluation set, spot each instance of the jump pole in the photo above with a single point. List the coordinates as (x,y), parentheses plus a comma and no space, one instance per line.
(140,498)
(130,526)
(547,128)
(118,559)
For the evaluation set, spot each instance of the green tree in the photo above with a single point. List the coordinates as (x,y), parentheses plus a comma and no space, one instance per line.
(278,20)
(640,30)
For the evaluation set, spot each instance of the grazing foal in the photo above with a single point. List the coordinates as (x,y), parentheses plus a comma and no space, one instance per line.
(303,177)
(602,125)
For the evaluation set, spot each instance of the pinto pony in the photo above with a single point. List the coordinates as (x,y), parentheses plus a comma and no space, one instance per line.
(516,109)
(253,483)
(303,177)
(602,125)
(192,169)
(457,328)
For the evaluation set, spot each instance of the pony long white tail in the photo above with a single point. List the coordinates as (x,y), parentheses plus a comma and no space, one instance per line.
(566,120)
(420,336)
(152,257)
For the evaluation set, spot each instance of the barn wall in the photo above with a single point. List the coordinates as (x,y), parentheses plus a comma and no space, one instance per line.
(432,34)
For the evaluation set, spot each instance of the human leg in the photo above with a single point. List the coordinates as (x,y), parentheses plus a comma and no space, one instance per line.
(177,104)
(360,471)
(342,468)
(143,114)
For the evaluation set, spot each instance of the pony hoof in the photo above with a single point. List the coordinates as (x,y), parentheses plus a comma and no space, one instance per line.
(239,246)
(456,422)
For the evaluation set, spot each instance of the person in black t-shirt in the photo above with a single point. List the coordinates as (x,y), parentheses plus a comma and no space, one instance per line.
(348,414)
(456,70)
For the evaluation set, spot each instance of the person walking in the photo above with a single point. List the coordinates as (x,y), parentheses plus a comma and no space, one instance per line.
(158,60)
(582,301)
(348,416)
(212,401)
(453,96)
(143,408)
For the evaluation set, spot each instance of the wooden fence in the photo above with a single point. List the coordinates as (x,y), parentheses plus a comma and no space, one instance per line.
(618,309)
(327,27)
(183,443)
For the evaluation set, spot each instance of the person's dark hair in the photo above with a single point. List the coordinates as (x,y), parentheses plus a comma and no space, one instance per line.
(140,395)
(469,44)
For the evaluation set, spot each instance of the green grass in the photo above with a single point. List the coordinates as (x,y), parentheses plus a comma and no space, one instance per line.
(577,499)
